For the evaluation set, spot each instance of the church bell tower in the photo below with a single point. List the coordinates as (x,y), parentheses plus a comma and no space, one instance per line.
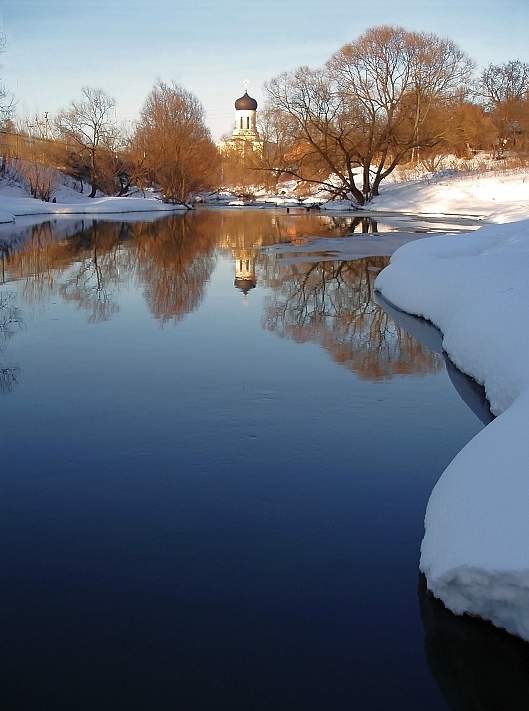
(245,118)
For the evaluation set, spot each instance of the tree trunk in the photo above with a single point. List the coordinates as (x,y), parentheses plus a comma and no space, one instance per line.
(93,174)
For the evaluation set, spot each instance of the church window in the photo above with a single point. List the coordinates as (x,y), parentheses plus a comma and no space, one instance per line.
(247,122)
(241,121)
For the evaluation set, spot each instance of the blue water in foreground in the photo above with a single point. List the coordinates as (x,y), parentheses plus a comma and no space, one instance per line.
(212,499)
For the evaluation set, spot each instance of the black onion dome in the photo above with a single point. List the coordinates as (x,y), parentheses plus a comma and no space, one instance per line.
(246,103)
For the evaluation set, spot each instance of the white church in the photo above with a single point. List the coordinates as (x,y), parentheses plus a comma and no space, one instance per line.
(245,135)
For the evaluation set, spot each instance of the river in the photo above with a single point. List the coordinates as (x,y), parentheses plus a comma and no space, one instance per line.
(215,466)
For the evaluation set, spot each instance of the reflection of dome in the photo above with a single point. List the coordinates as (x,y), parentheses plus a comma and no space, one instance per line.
(245,285)
(246,103)
(245,279)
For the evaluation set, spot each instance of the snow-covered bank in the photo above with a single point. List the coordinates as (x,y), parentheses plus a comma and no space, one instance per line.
(493,195)
(474,288)
(479,194)
(13,207)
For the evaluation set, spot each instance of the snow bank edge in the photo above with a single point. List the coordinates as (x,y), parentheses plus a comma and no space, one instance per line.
(474,552)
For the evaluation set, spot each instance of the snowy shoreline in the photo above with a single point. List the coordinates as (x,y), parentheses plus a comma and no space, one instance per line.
(11,208)
(473,287)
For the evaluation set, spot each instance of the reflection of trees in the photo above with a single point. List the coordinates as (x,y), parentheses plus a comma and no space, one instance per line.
(331,303)
(35,263)
(176,258)
(247,228)
(10,322)
(172,259)
(364,225)
(81,268)
(8,378)
(93,279)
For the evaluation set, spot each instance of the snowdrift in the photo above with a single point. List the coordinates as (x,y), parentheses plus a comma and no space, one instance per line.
(474,288)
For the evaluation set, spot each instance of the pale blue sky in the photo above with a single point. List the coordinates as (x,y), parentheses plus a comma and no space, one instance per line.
(55,47)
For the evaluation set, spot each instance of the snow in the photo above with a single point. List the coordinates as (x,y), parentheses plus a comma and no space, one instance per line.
(473,287)
(11,208)
(15,203)
(482,194)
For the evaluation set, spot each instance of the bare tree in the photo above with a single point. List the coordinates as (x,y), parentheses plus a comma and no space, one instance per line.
(178,152)
(88,127)
(42,179)
(347,126)
(504,89)
(505,83)
(7,104)
(240,170)
(6,113)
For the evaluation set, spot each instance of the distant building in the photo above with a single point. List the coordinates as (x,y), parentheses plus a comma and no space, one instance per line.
(245,135)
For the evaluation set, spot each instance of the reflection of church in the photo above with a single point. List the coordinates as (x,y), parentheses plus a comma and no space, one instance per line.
(245,279)
(240,241)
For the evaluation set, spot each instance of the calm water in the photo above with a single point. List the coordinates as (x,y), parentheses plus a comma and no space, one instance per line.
(215,467)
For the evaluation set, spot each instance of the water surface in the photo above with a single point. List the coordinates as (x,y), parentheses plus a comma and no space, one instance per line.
(215,466)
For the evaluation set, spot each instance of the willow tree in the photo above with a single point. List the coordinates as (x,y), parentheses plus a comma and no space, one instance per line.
(348,125)
(174,143)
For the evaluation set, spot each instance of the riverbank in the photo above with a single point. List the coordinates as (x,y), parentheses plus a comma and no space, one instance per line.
(493,195)
(474,288)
